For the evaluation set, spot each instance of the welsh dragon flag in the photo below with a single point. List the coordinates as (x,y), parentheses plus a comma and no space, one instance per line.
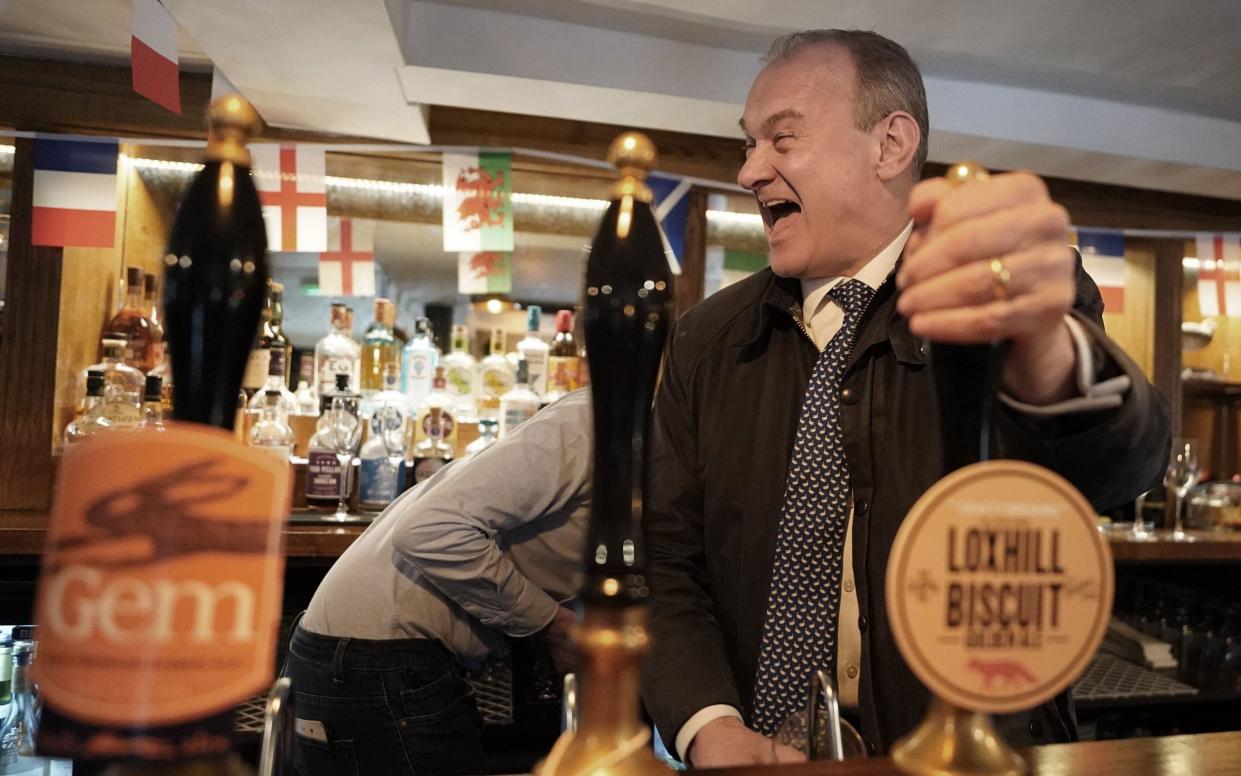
(478,201)
(485,272)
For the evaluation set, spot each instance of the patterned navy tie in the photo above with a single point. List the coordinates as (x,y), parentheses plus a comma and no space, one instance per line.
(799,635)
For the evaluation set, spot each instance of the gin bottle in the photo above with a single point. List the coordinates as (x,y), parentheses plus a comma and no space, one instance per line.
(381,476)
(487,435)
(421,356)
(519,404)
(534,350)
(496,377)
(122,386)
(432,453)
(271,432)
(90,420)
(337,353)
(380,348)
(562,361)
(461,372)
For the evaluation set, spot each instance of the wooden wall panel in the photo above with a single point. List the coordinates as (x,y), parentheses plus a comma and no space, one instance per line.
(27,352)
(1134,329)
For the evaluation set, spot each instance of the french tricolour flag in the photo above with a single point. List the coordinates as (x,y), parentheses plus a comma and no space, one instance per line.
(1103,258)
(74,193)
(153,55)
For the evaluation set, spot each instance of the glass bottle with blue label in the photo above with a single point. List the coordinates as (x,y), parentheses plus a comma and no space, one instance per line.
(382,460)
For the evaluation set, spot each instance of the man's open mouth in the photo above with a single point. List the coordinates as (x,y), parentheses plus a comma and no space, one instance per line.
(775,209)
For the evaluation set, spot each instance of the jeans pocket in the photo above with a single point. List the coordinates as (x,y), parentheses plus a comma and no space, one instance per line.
(334,757)
(330,731)
(441,726)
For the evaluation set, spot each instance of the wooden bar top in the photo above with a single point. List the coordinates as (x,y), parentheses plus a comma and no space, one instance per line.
(23,533)
(1207,754)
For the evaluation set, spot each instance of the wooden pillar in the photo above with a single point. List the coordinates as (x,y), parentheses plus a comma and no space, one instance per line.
(1169,278)
(690,284)
(27,352)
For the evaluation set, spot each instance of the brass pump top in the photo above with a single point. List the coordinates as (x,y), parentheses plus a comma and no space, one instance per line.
(231,122)
(634,155)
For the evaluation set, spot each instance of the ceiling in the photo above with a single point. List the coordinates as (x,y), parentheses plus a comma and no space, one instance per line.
(1134,92)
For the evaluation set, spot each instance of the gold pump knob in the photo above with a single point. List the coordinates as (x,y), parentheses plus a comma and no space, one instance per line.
(231,122)
(634,156)
(966,171)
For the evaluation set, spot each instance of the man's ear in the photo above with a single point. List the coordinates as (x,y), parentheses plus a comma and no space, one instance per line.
(898,136)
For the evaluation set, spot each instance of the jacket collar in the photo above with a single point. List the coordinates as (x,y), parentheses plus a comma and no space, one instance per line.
(782,297)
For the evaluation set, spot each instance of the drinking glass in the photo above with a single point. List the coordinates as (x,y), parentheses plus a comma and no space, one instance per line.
(344,431)
(391,423)
(1181,476)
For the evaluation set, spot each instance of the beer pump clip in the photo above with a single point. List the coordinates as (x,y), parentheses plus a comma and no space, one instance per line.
(999,585)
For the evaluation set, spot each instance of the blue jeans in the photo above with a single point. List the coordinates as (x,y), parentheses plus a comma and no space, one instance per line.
(381,707)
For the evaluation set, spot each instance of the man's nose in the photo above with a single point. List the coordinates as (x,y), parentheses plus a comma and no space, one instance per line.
(755,171)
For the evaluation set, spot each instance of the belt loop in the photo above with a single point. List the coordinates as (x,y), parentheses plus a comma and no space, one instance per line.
(338,660)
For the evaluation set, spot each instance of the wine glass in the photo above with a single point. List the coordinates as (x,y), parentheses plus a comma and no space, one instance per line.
(391,425)
(1184,469)
(344,430)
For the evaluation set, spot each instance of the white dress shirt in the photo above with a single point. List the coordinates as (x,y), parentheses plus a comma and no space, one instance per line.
(822,318)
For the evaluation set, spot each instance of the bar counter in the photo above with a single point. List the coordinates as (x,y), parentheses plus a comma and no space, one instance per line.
(22,533)
(1206,754)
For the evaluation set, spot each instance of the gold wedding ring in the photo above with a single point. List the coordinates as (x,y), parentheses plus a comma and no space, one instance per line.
(1001,277)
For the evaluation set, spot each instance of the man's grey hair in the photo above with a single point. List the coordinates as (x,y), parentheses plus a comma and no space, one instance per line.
(887,78)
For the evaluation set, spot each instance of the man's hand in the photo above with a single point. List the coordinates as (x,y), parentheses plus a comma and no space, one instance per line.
(726,742)
(559,644)
(950,292)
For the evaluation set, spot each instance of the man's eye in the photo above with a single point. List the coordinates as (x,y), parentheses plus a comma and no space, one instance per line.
(783,137)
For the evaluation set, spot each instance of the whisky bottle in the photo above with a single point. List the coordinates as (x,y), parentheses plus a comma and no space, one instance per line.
(534,350)
(150,308)
(562,360)
(380,348)
(432,453)
(255,376)
(277,341)
(133,327)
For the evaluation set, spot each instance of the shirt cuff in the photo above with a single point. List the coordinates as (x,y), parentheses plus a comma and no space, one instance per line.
(685,736)
(1092,395)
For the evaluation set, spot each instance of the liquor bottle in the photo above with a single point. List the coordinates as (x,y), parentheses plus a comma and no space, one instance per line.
(271,432)
(432,453)
(440,399)
(150,308)
(421,356)
(381,476)
(6,668)
(519,404)
(496,377)
(487,435)
(534,350)
(132,326)
(260,354)
(90,420)
(337,353)
(288,404)
(153,404)
(323,469)
(21,723)
(277,340)
(122,386)
(563,363)
(391,395)
(461,372)
(163,370)
(307,395)
(379,348)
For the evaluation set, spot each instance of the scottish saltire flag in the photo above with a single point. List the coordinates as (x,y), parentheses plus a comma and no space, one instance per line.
(478,201)
(153,55)
(74,193)
(1103,257)
(1219,274)
(347,268)
(293,191)
(671,206)
(485,272)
